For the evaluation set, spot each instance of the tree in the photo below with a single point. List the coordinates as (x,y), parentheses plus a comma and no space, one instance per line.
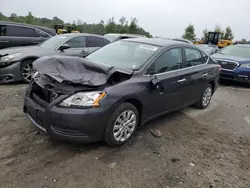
(228,35)
(204,34)
(133,26)
(123,26)
(243,40)
(219,30)
(189,33)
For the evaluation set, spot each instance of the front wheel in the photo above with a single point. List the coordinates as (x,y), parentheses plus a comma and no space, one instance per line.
(122,124)
(27,70)
(205,98)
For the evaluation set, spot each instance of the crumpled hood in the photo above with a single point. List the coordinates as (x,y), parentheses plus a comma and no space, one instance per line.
(240,60)
(76,70)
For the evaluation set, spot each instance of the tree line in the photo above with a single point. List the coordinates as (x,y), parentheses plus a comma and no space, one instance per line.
(110,26)
(189,33)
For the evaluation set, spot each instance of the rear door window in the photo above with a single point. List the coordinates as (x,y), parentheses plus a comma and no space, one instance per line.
(3,30)
(193,57)
(95,41)
(20,31)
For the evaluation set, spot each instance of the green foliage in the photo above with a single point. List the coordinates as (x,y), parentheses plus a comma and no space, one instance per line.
(204,34)
(123,26)
(189,33)
(243,40)
(228,35)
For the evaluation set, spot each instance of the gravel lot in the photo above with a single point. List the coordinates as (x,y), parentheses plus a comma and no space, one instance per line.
(198,148)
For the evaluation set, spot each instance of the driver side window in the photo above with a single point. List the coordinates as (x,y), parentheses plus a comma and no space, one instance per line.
(168,61)
(76,42)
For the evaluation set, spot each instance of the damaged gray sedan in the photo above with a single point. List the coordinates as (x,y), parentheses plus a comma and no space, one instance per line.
(117,88)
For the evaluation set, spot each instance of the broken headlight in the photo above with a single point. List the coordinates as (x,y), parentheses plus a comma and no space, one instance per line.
(84,99)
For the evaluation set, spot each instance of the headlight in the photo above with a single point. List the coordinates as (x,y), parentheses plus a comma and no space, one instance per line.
(245,65)
(84,99)
(8,58)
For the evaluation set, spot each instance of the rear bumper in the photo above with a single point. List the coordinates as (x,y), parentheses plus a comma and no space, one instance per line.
(241,75)
(74,125)
(11,73)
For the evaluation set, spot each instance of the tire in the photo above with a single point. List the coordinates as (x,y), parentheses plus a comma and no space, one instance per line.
(25,72)
(121,128)
(202,103)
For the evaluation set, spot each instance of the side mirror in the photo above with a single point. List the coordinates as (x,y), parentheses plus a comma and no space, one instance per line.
(64,47)
(157,85)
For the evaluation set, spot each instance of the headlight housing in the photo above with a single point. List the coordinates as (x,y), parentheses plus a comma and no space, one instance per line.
(245,65)
(84,99)
(8,58)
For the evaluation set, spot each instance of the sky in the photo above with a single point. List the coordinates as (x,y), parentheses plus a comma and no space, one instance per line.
(166,18)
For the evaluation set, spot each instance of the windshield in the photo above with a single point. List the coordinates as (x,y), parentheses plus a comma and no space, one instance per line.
(124,54)
(241,51)
(54,41)
(110,37)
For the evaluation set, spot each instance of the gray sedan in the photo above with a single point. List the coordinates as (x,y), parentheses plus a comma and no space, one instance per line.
(16,63)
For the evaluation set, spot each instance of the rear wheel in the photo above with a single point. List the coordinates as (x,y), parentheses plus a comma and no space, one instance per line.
(122,124)
(205,98)
(27,70)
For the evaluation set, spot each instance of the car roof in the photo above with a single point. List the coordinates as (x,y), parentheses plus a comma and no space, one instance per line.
(81,34)
(156,41)
(243,45)
(45,29)
(125,34)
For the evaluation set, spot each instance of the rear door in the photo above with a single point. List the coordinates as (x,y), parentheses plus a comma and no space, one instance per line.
(22,35)
(198,72)
(93,43)
(4,39)
(168,69)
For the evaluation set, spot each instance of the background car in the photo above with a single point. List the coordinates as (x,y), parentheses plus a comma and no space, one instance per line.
(118,36)
(16,63)
(18,34)
(208,49)
(235,63)
(106,95)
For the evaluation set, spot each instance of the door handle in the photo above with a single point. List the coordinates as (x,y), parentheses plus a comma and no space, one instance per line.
(205,74)
(4,41)
(182,80)
(35,42)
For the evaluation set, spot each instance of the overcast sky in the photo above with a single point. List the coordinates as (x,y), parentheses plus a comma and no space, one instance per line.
(166,18)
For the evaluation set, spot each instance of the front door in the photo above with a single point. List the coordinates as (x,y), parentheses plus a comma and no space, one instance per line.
(168,69)
(77,47)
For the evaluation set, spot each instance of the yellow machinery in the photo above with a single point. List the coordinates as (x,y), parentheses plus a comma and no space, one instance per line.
(223,43)
(216,39)
(61,29)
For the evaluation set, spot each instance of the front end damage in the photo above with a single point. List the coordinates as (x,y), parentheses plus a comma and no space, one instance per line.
(59,78)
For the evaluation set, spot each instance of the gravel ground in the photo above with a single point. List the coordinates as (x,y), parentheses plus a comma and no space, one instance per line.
(197,148)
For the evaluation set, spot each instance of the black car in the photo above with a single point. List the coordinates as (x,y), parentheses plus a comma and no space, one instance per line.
(17,34)
(16,63)
(208,49)
(118,36)
(118,87)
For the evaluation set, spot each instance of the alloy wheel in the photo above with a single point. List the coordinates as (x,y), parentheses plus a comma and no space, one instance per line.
(124,125)
(207,96)
(27,72)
